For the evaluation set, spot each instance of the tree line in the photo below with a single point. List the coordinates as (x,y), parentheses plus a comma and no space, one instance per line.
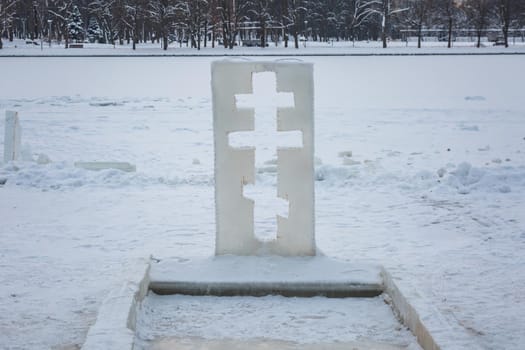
(199,23)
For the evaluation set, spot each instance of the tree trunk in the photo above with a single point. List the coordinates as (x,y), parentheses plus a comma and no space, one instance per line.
(505,11)
(205,33)
(284,13)
(384,22)
(165,42)
(231,43)
(449,32)
(263,34)
(111,37)
(479,39)
(225,38)
(506,34)
(1,43)
(419,36)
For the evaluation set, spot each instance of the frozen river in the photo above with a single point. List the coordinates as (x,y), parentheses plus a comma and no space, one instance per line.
(421,168)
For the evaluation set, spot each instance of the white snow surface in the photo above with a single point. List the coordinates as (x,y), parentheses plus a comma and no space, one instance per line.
(433,188)
(397,47)
(324,321)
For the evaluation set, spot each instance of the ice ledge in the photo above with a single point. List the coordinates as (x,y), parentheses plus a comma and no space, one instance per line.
(257,276)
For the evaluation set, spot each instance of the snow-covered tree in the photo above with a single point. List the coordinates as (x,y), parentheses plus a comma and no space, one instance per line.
(102,10)
(194,19)
(94,32)
(75,25)
(322,18)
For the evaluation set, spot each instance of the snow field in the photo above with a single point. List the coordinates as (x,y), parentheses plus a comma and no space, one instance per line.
(421,168)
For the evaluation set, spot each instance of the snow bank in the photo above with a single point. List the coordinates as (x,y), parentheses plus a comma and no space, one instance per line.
(63,176)
(462,178)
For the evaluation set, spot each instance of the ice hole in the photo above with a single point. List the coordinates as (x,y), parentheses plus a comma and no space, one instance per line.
(265,101)
(266,209)
(266,138)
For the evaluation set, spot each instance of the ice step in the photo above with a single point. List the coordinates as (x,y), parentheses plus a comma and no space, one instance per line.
(258,276)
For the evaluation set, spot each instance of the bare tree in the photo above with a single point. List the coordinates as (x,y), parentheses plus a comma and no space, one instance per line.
(60,11)
(446,12)
(231,13)
(162,13)
(213,21)
(478,13)
(284,21)
(295,11)
(260,11)
(133,12)
(196,19)
(385,10)
(358,14)
(418,15)
(7,11)
(118,15)
(509,11)
(40,12)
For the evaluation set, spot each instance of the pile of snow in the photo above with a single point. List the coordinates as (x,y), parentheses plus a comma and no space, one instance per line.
(64,175)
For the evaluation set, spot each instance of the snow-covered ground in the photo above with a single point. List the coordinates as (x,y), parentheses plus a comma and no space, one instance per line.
(421,168)
(36,48)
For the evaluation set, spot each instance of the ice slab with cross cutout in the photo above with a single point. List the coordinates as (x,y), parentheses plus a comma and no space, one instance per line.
(13,137)
(235,167)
